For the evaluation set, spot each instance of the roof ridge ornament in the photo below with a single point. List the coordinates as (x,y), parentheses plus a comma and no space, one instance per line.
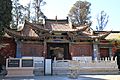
(56,18)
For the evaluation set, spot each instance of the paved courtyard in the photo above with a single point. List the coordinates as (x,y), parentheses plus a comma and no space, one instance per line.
(63,77)
(114,75)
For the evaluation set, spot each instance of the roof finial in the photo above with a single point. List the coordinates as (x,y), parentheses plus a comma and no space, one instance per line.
(56,18)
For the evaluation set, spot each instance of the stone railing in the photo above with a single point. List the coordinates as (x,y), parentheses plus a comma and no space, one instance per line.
(61,67)
(35,66)
(89,59)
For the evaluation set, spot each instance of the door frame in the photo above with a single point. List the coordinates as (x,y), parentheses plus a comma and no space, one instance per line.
(67,55)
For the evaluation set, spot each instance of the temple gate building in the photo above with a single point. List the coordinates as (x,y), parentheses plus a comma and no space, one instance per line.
(59,39)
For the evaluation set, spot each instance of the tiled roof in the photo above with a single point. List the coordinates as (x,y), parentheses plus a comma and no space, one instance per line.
(59,27)
(37,31)
(113,36)
(62,27)
(18,35)
(11,32)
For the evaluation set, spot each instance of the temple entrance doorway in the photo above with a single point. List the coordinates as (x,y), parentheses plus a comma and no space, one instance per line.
(58,51)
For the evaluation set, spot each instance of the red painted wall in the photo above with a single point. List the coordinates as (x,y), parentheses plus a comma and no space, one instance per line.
(104,52)
(81,49)
(32,49)
(9,50)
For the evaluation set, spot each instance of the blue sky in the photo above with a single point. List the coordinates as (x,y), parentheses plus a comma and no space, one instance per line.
(60,8)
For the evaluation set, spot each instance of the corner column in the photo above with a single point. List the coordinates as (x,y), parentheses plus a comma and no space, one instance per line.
(45,49)
(110,53)
(18,49)
(71,50)
(95,54)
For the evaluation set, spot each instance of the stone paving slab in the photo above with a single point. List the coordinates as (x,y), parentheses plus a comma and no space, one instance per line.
(65,77)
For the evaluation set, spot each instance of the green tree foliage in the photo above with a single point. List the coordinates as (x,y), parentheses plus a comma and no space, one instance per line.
(38,13)
(102,20)
(17,13)
(79,14)
(28,11)
(31,12)
(5,14)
